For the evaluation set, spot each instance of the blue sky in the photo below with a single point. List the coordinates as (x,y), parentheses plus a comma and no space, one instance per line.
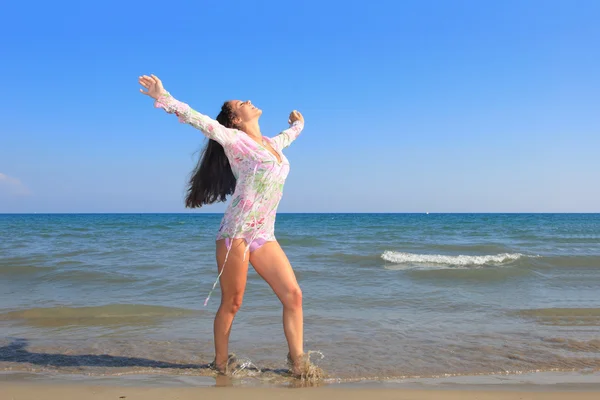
(410,106)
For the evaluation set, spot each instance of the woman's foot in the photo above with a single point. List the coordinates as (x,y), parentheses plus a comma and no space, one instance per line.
(301,368)
(224,368)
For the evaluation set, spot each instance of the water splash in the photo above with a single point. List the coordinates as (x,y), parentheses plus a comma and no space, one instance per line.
(246,365)
(308,374)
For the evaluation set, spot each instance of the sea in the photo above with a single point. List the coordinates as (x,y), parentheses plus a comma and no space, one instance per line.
(387,297)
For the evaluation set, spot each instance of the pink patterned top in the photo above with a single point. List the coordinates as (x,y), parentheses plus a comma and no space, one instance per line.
(260,176)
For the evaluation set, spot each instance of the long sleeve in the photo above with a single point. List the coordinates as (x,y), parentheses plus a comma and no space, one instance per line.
(211,128)
(285,138)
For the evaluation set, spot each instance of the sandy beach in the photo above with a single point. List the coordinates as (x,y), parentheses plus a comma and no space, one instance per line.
(21,391)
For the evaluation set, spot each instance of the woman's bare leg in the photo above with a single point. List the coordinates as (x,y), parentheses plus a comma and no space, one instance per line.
(271,263)
(233,285)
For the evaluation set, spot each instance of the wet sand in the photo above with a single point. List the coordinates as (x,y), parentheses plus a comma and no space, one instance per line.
(23,391)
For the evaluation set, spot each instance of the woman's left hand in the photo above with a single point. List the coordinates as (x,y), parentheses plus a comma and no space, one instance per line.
(295,116)
(153,85)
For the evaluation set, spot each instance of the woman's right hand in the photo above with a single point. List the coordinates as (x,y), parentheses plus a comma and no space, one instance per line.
(153,85)
(295,116)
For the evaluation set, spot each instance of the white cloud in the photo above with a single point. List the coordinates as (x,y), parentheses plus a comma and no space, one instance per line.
(12,186)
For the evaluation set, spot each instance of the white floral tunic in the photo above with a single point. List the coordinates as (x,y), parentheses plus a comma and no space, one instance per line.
(260,176)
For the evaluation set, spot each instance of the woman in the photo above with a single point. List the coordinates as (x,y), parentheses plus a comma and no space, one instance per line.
(239,161)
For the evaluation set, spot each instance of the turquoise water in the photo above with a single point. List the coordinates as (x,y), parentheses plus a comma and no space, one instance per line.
(386,296)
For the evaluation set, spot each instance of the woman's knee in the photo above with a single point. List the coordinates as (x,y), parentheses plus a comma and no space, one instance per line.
(293,298)
(232,303)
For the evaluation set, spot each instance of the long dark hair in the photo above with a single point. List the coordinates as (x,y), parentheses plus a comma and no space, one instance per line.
(212,179)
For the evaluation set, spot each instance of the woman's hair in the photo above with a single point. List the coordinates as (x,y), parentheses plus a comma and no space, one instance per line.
(212,179)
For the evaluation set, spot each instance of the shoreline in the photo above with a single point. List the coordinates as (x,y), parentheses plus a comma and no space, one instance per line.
(532,381)
(533,386)
(60,391)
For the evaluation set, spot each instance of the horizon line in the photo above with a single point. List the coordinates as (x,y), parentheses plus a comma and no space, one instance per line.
(301,212)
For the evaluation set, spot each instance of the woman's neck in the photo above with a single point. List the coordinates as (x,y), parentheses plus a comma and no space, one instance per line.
(253,130)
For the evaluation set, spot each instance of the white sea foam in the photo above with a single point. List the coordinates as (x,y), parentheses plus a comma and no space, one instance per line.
(439,261)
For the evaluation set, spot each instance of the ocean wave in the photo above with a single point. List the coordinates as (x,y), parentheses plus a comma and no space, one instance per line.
(111,314)
(439,261)
(563,316)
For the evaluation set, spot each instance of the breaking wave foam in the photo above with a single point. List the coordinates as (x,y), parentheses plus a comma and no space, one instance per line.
(409,260)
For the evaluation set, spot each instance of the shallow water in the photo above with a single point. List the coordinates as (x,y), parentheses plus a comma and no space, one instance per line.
(386,296)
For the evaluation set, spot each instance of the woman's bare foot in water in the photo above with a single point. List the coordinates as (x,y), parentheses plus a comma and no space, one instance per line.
(301,368)
(224,368)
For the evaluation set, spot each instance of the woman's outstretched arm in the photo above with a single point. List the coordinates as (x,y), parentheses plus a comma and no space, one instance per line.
(163,99)
(286,137)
